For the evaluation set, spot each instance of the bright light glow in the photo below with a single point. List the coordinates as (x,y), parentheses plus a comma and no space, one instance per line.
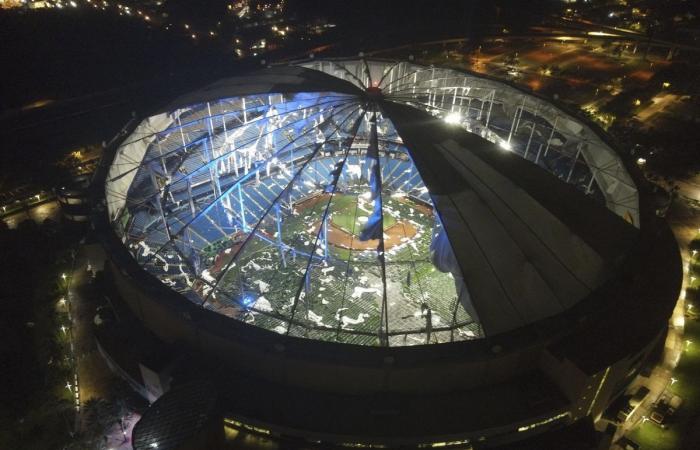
(63,275)
(453,118)
(505,145)
(641,161)
(679,321)
(600,33)
(673,381)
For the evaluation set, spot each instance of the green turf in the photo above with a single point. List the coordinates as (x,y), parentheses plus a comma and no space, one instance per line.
(345,214)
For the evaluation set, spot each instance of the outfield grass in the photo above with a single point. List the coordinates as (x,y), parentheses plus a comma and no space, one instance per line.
(345,214)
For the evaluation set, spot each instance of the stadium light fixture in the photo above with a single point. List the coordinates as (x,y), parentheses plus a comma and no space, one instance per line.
(453,118)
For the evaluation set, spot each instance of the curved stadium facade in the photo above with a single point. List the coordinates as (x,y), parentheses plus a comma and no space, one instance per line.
(428,256)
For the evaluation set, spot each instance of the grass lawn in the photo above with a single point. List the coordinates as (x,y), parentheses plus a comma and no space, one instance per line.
(651,436)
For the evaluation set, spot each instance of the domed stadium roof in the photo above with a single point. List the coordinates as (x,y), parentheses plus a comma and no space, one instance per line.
(380,203)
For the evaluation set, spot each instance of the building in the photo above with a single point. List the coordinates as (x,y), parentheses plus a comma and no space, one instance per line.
(73,198)
(378,253)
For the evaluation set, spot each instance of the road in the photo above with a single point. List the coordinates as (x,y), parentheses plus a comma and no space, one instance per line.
(658,105)
(39,213)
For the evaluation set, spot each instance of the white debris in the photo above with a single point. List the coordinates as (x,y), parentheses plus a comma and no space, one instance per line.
(146,249)
(253,264)
(345,320)
(165,263)
(281,329)
(262,286)
(327,269)
(354,170)
(187,277)
(206,276)
(316,318)
(358,291)
(263,304)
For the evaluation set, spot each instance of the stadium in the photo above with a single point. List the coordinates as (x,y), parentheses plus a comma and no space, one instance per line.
(389,254)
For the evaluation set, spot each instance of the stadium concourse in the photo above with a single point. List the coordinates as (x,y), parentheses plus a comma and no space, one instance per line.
(358,226)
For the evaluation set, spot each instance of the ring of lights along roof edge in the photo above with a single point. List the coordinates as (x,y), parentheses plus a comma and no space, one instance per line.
(265,195)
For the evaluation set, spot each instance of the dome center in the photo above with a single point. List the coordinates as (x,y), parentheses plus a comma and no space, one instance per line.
(374,92)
